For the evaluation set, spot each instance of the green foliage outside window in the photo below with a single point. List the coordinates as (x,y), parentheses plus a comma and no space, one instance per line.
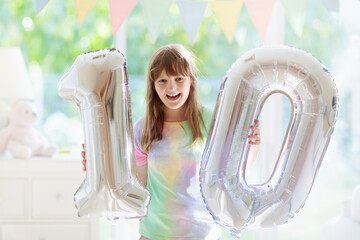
(53,39)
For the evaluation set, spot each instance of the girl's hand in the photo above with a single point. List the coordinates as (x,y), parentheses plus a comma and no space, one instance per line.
(254,139)
(83,156)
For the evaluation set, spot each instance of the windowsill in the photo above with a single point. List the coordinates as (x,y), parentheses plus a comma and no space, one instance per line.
(71,156)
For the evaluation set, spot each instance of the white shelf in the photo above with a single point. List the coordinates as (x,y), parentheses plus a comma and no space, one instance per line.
(36,200)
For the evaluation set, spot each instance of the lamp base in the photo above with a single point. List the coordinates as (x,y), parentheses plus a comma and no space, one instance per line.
(4,114)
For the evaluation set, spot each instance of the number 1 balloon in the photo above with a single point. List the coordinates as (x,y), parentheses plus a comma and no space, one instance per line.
(98,83)
(250,81)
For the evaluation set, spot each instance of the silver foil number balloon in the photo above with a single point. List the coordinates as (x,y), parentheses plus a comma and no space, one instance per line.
(249,82)
(98,83)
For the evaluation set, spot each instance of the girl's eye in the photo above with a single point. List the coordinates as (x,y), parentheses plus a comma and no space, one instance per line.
(162,81)
(179,78)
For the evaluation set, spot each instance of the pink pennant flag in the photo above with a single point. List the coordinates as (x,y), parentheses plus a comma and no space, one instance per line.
(260,12)
(192,13)
(119,11)
(227,13)
(83,8)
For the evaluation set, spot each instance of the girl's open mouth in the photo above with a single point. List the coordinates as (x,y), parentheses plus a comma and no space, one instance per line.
(173,97)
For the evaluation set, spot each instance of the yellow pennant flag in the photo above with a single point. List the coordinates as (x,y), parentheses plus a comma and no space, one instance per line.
(83,7)
(227,13)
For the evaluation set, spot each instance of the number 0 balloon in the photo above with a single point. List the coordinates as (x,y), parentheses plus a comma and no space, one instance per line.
(98,83)
(249,82)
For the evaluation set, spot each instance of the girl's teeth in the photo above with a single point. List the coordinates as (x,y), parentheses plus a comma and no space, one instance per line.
(173,97)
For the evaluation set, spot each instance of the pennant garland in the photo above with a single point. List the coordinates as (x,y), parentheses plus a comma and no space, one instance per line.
(119,11)
(260,12)
(192,11)
(295,12)
(192,14)
(83,7)
(227,13)
(155,12)
(40,4)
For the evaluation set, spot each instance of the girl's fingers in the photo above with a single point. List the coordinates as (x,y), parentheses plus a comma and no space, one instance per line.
(83,146)
(254,137)
(84,160)
(84,164)
(254,142)
(256,130)
(255,127)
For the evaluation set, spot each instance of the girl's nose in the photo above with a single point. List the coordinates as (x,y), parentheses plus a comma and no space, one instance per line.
(171,85)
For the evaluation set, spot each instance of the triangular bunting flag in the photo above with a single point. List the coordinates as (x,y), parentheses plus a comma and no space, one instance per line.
(40,4)
(155,12)
(192,13)
(295,12)
(119,11)
(83,7)
(227,13)
(260,12)
(331,5)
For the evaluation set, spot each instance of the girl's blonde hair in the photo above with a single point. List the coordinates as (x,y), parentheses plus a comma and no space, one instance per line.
(176,61)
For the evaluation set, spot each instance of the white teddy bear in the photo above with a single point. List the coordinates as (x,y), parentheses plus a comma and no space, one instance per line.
(20,138)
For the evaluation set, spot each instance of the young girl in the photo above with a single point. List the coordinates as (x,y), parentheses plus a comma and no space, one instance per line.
(169,142)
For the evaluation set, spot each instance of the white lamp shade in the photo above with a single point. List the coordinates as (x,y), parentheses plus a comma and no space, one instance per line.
(14,80)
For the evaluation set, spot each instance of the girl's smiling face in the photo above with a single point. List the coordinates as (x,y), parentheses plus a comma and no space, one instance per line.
(173,91)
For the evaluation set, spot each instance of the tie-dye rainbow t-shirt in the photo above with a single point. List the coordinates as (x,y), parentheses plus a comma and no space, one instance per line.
(177,209)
